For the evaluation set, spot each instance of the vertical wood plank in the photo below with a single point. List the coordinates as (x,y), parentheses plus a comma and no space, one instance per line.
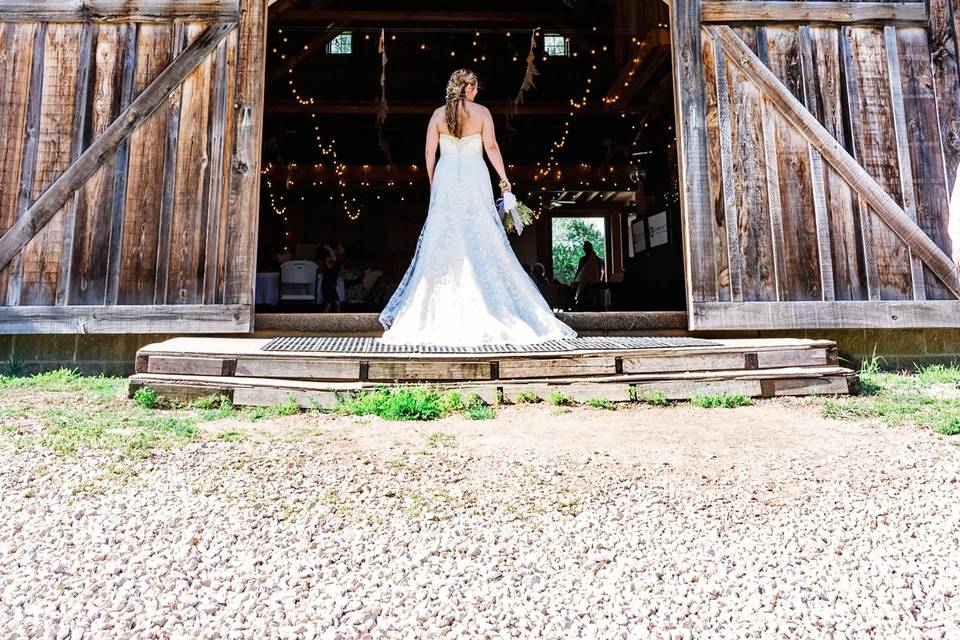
(799,258)
(16,46)
(118,212)
(41,256)
(244,208)
(31,146)
(82,105)
(186,268)
(168,188)
(874,145)
(750,187)
(222,76)
(943,35)
(769,131)
(731,228)
(728,280)
(826,100)
(93,202)
(141,239)
(925,151)
(899,119)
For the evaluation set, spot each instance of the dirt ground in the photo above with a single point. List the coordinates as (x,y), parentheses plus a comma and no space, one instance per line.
(766,521)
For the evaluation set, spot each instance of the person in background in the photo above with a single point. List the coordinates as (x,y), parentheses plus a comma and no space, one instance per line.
(539,274)
(589,273)
(331,265)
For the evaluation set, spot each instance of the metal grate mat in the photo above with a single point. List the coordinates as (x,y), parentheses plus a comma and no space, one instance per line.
(338,344)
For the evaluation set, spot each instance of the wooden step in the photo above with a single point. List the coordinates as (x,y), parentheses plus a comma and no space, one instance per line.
(243,357)
(252,391)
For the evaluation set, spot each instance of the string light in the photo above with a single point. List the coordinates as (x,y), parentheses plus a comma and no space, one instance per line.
(349,208)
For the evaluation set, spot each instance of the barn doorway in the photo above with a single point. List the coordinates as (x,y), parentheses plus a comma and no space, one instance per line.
(582,97)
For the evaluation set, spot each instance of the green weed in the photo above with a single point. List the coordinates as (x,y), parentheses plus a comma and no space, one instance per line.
(290,408)
(480,411)
(526,397)
(655,398)
(601,403)
(720,401)
(559,398)
(440,439)
(926,398)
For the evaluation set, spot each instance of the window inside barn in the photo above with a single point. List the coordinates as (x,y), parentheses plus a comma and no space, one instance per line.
(341,45)
(556,45)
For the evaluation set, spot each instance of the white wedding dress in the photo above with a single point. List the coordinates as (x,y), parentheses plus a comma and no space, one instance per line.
(465,286)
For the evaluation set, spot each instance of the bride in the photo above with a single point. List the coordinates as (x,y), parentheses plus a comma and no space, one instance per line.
(465,286)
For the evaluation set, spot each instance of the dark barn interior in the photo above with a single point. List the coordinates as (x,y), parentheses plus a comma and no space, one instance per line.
(592,138)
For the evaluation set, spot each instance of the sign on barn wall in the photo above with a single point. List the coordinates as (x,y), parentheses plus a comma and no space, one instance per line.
(129,171)
(819,143)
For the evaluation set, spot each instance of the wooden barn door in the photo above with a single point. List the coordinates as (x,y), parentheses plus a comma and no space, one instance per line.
(818,145)
(129,164)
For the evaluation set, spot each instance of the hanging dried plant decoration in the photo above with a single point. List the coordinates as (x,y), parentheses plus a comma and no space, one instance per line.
(382,108)
(531,71)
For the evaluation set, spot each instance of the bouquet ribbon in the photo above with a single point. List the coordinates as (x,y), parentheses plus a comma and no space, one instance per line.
(507,206)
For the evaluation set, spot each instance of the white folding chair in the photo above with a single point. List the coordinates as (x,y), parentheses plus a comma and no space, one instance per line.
(298,280)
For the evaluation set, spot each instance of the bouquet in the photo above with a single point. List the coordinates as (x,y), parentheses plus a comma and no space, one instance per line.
(514,214)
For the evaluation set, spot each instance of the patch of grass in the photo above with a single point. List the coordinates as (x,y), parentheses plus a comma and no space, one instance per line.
(526,397)
(66,380)
(559,398)
(498,396)
(215,408)
(601,403)
(950,426)
(16,411)
(938,374)
(927,398)
(395,403)
(147,398)
(440,439)
(290,408)
(720,401)
(450,402)
(231,436)
(480,411)
(87,487)
(655,398)
(559,411)
(12,368)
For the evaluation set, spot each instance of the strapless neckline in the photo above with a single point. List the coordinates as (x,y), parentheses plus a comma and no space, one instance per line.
(443,133)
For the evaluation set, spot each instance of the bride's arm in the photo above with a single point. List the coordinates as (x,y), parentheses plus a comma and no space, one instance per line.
(493,149)
(433,139)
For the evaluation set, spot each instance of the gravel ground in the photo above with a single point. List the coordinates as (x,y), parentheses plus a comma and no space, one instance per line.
(759,522)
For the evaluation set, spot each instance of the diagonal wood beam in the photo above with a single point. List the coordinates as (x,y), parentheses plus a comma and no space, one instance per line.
(129,120)
(833,152)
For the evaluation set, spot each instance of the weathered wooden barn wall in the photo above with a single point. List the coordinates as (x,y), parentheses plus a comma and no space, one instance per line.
(155,230)
(819,142)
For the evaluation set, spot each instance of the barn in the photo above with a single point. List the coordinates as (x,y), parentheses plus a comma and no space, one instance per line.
(754,170)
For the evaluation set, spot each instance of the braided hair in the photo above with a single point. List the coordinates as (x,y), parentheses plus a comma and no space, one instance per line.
(456,94)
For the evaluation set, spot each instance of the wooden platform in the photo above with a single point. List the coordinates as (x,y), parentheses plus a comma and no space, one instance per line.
(184,368)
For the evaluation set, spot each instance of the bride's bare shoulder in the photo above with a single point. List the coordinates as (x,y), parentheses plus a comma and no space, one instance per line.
(478,109)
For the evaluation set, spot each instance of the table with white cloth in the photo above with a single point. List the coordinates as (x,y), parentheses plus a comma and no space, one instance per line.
(267,288)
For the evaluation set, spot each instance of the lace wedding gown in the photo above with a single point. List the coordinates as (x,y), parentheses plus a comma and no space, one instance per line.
(465,286)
